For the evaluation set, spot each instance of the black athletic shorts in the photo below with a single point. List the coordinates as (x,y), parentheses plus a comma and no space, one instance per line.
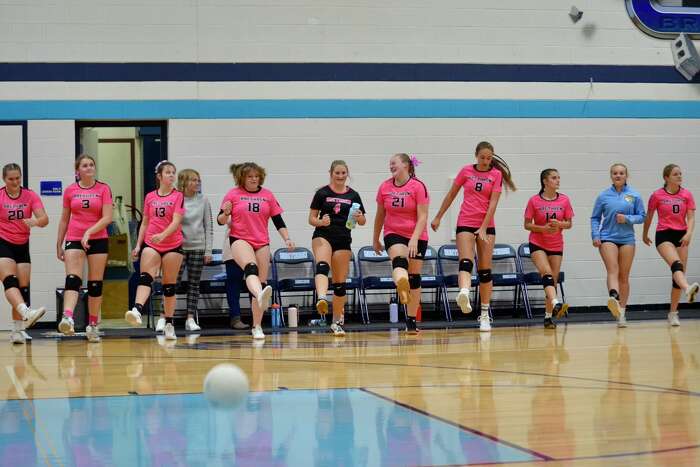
(534,248)
(395,239)
(669,235)
(464,228)
(20,253)
(619,245)
(97,246)
(337,242)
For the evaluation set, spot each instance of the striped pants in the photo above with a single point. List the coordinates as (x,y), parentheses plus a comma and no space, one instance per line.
(194,262)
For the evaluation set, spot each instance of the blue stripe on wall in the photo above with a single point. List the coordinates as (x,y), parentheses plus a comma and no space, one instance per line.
(458,72)
(340,108)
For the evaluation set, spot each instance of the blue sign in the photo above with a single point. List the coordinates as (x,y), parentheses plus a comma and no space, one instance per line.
(664,21)
(51,187)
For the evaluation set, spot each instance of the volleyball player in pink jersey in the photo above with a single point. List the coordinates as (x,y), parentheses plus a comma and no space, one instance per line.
(17,206)
(674,231)
(160,246)
(247,209)
(482,183)
(402,211)
(546,215)
(87,211)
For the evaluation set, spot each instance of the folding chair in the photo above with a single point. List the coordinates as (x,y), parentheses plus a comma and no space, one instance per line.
(375,274)
(448,262)
(431,278)
(531,277)
(506,273)
(293,272)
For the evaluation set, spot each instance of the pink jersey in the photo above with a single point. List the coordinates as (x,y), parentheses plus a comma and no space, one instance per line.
(160,211)
(401,206)
(13,211)
(85,206)
(542,210)
(478,187)
(671,208)
(250,214)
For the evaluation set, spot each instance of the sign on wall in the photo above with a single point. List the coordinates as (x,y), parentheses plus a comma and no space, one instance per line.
(666,19)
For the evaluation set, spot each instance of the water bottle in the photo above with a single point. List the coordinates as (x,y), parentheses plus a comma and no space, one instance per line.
(350,223)
(292,316)
(393,311)
(317,322)
(276,318)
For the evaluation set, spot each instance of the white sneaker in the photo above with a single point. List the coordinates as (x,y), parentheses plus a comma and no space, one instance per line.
(16,337)
(673,319)
(26,336)
(258,333)
(692,291)
(622,321)
(337,329)
(463,301)
(169,332)
(66,326)
(160,324)
(614,307)
(191,325)
(133,317)
(32,315)
(265,298)
(484,323)
(92,333)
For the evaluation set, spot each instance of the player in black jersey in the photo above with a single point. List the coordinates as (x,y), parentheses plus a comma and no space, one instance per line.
(331,240)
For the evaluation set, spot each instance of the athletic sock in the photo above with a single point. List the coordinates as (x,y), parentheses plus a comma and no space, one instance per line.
(168,320)
(484,309)
(68,313)
(92,320)
(613,293)
(138,307)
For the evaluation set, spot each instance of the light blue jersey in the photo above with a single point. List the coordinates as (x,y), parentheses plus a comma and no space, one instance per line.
(610,202)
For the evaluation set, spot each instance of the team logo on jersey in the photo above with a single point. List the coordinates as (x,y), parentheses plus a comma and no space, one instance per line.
(336,208)
(629,198)
(666,19)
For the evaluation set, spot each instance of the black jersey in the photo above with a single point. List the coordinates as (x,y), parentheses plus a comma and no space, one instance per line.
(337,206)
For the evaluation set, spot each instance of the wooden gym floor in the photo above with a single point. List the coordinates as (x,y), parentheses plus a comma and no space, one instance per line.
(583,394)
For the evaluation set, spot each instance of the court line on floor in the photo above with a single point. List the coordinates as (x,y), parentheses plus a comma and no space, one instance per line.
(15,382)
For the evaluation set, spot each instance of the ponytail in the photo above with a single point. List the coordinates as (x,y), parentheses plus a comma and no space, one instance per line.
(543,176)
(498,163)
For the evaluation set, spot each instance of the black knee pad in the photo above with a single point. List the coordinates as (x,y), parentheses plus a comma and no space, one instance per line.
(146,279)
(414,281)
(484,276)
(25,294)
(676,266)
(323,268)
(94,288)
(547,281)
(168,290)
(399,262)
(10,282)
(250,269)
(339,289)
(466,265)
(73,282)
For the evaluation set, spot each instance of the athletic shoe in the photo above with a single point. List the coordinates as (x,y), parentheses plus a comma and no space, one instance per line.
(484,323)
(160,324)
(236,323)
(673,319)
(560,310)
(32,315)
(622,321)
(133,317)
(191,325)
(92,333)
(337,329)
(322,306)
(26,336)
(614,307)
(692,291)
(66,326)
(169,332)
(549,323)
(258,333)
(404,290)
(16,337)
(265,298)
(463,301)
(411,325)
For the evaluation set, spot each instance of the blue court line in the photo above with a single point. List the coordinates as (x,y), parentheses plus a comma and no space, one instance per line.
(338,71)
(345,108)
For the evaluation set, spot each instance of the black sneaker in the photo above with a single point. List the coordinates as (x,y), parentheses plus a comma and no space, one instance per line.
(549,324)
(411,326)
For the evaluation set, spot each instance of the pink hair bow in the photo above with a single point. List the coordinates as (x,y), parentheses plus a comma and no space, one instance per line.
(415,161)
